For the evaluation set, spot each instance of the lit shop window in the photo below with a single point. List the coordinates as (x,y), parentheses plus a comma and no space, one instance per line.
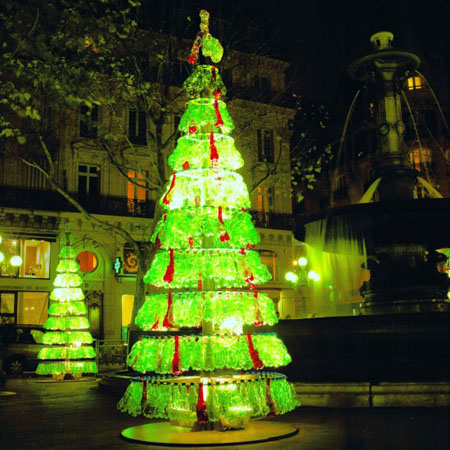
(414,83)
(87,261)
(32,308)
(34,255)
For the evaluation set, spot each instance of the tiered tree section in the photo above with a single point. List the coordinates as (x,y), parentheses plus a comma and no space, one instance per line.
(207,273)
(68,342)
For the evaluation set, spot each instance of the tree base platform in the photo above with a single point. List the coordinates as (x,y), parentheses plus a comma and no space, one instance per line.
(165,435)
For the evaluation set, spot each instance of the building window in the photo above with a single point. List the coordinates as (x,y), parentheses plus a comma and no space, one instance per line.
(88,121)
(414,83)
(269,259)
(136,195)
(87,261)
(137,127)
(35,255)
(88,181)
(261,83)
(266,199)
(265,145)
(420,159)
(24,308)
(341,182)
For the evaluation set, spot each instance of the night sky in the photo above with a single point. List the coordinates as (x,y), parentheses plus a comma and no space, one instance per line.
(320,38)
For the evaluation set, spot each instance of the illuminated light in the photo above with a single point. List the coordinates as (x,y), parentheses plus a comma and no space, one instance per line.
(14,242)
(291,276)
(313,275)
(2,257)
(1,239)
(232,325)
(295,263)
(16,261)
(302,261)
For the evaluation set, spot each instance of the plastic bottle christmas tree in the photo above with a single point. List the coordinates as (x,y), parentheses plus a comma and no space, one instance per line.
(68,342)
(207,274)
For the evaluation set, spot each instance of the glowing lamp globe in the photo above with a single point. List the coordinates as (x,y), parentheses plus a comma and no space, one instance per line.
(291,276)
(1,239)
(313,275)
(302,261)
(2,257)
(16,261)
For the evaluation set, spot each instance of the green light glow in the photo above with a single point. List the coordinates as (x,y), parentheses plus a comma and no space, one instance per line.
(226,268)
(67,348)
(154,354)
(302,261)
(178,401)
(189,309)
(291,276)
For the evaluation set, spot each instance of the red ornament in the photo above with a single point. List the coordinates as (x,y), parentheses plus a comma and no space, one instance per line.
(219,215)
(213,155)
(167,322)
(225,237)
(168,276)
(192,129)
(165,199)
(257,363)
(249,280)
(191,242)
(202,415)
(186,165)
(200,283)
(157,241)
(192,59)
(213,72)
(176,357)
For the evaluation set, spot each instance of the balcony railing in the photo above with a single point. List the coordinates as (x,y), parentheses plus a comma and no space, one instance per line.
(48,200)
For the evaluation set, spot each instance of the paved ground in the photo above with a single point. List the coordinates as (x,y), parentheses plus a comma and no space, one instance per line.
(77,415)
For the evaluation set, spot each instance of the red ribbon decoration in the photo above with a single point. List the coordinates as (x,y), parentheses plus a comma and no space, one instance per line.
(176,357)
(249,280)
(219,215)
(202,415)
(191,242)
(165,200)
(258,317)
(213,72)
(213,155)
(144,390)
(270,402)
(155,325)
(225,237)
(219,121)
(168,276)
(257,363)
(166,322)
(192,129)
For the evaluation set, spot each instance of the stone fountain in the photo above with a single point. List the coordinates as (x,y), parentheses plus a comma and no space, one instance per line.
(400,234)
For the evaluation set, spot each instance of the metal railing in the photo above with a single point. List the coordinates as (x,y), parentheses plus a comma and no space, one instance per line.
(111,354)
(49,200)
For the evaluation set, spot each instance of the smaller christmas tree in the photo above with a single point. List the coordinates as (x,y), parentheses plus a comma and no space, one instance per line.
(68,342)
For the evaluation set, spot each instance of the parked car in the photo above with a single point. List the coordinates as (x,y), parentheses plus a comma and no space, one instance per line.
(20,345)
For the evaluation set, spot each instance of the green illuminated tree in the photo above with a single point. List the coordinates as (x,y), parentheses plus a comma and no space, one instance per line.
(208,276)
(68,342)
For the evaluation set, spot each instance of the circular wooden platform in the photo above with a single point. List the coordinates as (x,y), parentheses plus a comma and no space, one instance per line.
(165,435)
